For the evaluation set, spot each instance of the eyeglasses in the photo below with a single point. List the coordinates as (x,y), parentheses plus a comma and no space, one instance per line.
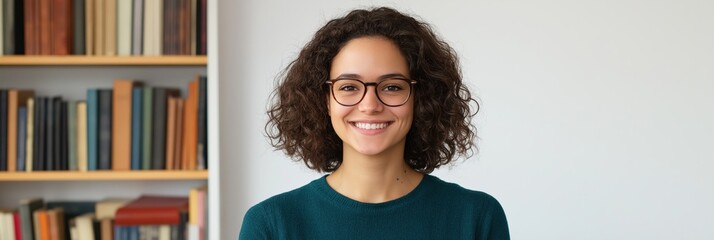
(392,92)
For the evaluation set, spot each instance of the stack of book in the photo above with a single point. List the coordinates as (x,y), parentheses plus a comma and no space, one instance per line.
(127,127)
(145,217)
(103,27)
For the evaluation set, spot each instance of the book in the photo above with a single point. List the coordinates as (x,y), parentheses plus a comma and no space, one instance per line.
(60,27)
(18,226)
(178,149)
(137,31)
(161,96)
(92,129)
(78,27)
(56,223)
(62,137)
(124,17)
(26,209)
(13,33)
(202,27)
(105,130)
(38,158)
(21,138)
(89,31)
(152,210)
(106,231)
(110,27)
(3,130)
(48,162)
(146,127)
(29,150)
(170,132)
(45,24)
(202,126)
(42,224)
(15,100)
(87,227)
(190,127)
(73,209)
(72,136)
(30,27)
(122,123)
(107,208)
(81,136)
(99,26)
(136,127)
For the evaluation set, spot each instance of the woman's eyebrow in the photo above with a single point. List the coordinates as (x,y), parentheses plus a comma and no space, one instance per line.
(357,76)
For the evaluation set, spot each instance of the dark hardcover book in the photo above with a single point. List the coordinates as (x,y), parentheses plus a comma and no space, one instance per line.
(105,130)
(51,146)
(78,15)
(3,130)
(19,27)
(38,154)
(161,96)
(202,27)
(57,153)
(72,136)
(137,22)
(63,137)
(92,129)
(27,207)
(202,155)
(154,210)
(136,121)
(21,137)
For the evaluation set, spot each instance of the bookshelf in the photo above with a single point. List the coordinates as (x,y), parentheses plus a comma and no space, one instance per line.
(70,76)
(103,176)
(103,60)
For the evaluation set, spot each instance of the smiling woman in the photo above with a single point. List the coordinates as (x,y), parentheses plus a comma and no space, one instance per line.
(376,100)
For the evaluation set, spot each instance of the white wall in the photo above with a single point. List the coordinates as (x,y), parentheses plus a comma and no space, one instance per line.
(597,117)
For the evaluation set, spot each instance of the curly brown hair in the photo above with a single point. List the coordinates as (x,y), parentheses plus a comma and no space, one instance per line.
(299,122)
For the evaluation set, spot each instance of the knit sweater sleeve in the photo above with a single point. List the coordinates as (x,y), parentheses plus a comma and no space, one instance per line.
(494,225)
(255,224)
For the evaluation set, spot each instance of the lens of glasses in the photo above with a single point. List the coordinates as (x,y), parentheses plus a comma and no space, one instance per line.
(391,92)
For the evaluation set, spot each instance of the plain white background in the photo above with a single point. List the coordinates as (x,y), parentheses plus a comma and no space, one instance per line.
(597,117)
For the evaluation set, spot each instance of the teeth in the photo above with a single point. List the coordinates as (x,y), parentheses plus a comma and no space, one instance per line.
(370,126)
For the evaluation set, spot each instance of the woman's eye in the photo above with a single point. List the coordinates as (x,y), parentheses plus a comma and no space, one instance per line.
(392,88)
(348,88)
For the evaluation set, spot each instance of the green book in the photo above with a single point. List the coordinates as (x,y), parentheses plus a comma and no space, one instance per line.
(146,128)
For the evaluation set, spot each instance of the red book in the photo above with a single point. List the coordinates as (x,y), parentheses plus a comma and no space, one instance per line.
(152,210)
(18,226)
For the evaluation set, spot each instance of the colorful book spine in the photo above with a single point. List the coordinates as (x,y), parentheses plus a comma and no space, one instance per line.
(136,123)
(92,129)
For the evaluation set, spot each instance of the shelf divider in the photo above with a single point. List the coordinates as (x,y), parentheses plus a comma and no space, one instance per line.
(103,175)
(20,60)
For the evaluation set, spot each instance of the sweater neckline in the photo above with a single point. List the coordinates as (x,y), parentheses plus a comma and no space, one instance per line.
(342,201)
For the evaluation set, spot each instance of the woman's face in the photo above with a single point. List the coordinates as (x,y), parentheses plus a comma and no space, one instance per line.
(370,127)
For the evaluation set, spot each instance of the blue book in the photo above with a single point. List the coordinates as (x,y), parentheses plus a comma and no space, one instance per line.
(92,128)
(136,122)
(21,137)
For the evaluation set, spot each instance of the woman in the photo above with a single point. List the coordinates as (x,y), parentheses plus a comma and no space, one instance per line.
(376,100)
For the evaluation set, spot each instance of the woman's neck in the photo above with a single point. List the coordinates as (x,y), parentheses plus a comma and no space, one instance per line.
(374,179)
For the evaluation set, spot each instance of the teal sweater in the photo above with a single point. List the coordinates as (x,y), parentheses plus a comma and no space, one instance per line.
(433,210)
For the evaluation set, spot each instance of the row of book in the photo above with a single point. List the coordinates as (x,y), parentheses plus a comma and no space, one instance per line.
(128,127)
(145,217)
(103,27)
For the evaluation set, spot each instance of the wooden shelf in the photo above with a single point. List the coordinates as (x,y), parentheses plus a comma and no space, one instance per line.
(103,60)
(102,176)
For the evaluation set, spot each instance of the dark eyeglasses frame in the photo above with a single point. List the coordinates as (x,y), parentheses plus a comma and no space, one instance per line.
(411,90)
